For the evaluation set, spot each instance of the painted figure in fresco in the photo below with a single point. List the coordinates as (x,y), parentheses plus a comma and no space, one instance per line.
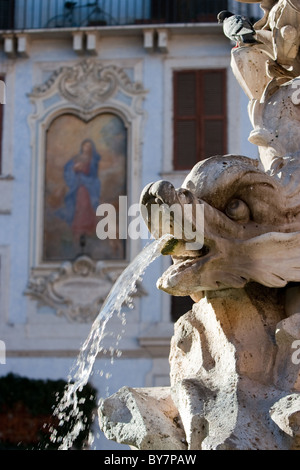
(82,199)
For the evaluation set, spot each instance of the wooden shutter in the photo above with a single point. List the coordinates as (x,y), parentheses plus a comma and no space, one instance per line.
(200,125)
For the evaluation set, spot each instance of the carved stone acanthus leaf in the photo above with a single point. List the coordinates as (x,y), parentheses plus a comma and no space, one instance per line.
(76,290)
(89,83)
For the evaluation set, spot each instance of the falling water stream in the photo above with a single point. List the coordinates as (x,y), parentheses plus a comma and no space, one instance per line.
(120,294)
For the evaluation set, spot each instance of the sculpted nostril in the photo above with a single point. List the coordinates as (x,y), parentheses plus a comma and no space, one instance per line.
(146,195)
(164,192)
(185,194)
(183,191)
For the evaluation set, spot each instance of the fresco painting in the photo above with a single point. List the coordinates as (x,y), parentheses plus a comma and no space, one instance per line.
(85,167)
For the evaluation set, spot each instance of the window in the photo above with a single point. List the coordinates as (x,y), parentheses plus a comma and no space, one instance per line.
(7,14)
(182,11)
(199,116)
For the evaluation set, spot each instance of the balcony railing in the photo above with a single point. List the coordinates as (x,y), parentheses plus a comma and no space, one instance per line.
(40,14)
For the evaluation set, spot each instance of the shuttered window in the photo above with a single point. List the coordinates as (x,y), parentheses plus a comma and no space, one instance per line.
(200,126)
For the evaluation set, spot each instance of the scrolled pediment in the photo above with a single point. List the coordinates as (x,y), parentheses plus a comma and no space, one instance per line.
(88,84)
(76,290)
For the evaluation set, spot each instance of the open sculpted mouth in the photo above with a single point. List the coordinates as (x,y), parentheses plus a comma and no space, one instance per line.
(185,263)
(190,258)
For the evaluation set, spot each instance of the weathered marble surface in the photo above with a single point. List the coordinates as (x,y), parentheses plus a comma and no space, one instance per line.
(235,377)
(233,382)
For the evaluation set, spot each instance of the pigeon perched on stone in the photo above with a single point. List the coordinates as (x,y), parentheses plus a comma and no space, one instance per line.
(237,28)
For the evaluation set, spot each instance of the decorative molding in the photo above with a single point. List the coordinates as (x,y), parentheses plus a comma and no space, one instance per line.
(9,45)
(6,185)
(88,84)
(149,40)
(78,42)
(5,261)
(77,290)
(23,43)
(163,40)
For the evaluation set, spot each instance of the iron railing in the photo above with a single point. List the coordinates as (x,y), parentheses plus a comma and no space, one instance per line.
(38,14)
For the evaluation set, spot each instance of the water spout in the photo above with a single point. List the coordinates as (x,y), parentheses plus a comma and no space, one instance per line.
(120,294)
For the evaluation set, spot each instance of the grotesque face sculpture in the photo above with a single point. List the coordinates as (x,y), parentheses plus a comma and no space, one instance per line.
(251,225)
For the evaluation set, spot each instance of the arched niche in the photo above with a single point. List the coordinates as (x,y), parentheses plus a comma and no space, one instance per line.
(88,100)
(85,166)
(88,115)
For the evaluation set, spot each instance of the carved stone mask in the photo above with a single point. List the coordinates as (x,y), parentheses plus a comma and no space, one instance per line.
(251,226)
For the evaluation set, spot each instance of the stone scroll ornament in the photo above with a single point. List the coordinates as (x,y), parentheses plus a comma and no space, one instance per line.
(235,357)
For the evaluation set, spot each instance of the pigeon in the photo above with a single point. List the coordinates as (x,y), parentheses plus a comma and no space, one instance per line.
(237,28)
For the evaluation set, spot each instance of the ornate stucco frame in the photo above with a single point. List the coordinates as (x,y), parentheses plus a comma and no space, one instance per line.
(85,89)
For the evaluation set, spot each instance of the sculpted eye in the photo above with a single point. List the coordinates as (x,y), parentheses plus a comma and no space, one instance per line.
(238,210)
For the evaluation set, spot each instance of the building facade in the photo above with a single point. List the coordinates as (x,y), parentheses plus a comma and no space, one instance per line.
(98,100)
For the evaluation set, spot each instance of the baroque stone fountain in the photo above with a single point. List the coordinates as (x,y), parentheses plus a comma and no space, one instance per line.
(234,365)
